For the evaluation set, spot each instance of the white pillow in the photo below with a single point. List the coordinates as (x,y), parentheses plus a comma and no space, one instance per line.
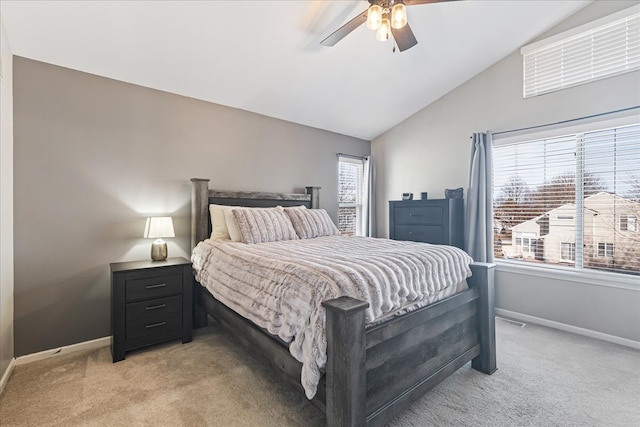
(232,225)
(219,229)
(293,207)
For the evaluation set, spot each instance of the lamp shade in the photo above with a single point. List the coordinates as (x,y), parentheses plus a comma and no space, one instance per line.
(398,16)
(374,17)
(159,227)
(384,32)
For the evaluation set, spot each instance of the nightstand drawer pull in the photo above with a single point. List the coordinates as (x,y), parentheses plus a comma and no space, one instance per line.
(160,285)
(155,325)
(415,214)
(416,233)
(155,307)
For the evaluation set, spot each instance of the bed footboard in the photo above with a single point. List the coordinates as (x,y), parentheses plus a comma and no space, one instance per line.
(374,374)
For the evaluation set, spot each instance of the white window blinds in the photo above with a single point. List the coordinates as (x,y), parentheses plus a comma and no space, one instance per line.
(350,176)
(611,160)
(603,48)
(534,187)
(571,200)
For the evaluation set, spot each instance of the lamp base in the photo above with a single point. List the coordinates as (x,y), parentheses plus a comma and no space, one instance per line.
(159,250)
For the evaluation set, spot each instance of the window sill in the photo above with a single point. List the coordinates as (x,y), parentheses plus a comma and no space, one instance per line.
(586,277)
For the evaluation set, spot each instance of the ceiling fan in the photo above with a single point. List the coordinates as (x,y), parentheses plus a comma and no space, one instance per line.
(386,17)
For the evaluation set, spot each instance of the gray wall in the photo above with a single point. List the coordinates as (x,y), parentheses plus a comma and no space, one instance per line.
(94,157)
(6,203)
(430,151)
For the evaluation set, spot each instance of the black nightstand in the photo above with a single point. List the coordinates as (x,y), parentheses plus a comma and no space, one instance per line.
(150,303)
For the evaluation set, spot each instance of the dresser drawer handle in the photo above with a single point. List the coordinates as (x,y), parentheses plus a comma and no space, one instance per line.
(160,285)
(155,307)
(155,325)
(415,214)
(416,232)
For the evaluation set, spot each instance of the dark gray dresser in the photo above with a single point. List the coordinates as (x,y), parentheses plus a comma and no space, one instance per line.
(438,221)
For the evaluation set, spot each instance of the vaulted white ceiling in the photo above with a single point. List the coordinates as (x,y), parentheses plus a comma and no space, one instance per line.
(265,56)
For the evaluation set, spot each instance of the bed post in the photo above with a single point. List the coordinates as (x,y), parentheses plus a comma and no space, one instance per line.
(199,227)
(346,362)
(482,280)
(315,196)
(199,206)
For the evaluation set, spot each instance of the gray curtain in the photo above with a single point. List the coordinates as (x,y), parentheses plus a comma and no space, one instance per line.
(479,212)
(368,199)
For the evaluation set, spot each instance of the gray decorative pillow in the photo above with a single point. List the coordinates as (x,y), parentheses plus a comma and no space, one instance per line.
(310,223)
(261,225)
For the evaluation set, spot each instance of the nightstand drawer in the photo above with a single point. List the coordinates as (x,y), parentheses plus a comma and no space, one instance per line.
(171,322)
(153,287)
(421,233)
(153,308)
(419,215)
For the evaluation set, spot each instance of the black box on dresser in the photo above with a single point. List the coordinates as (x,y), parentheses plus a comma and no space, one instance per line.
(437,221)
(151,302)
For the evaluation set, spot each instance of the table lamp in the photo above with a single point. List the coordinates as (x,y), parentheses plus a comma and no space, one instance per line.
(158,227)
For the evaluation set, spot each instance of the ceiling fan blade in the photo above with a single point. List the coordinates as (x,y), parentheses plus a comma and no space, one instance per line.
(415,2)
(343,31)
(404,37)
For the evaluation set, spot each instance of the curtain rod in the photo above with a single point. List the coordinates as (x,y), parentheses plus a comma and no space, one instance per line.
(567,121)
(351,156)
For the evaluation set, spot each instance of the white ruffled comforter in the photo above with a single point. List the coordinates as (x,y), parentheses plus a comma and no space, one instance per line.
(280,285)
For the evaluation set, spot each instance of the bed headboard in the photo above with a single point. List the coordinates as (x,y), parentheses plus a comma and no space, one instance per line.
(202,197)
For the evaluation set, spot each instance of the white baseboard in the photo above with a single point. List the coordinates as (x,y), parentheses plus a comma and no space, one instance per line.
(6,375)
(87,345)
(568,328)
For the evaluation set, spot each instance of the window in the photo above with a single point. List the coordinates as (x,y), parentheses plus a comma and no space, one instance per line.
(628,223)
(527,244)
(605,250)
(567,252)
(573,197)
(350,175)
(600,49)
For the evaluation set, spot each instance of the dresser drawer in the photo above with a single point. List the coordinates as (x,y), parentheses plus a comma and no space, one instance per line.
(161,325)
(148,309)
(419,215)
(421,233)
(153,287)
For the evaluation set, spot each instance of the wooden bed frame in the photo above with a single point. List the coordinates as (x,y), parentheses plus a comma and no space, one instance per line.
(372,373)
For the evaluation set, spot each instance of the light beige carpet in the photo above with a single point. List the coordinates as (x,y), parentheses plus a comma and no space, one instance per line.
(545,378)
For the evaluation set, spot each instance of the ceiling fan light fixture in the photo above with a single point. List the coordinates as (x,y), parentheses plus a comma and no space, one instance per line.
(384,32)
(374,17)
(398,16)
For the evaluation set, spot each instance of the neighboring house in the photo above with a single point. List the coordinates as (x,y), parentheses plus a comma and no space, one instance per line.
(611,233)
(525,237)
